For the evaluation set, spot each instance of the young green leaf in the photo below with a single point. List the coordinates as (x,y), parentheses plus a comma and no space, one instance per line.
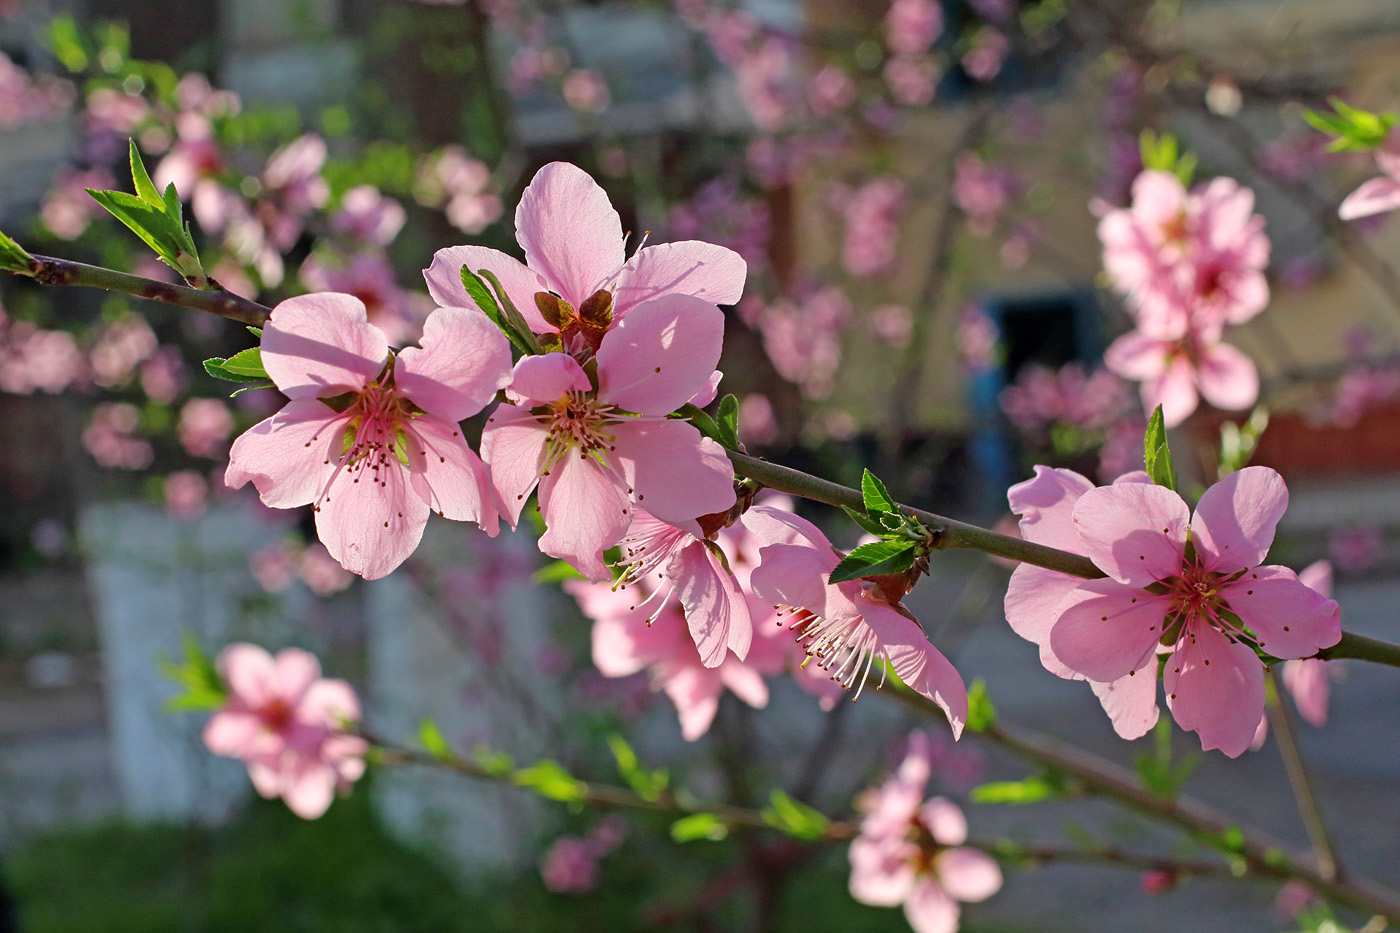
(145,188)
(794,818)
(727,418)
(647,784)
(247,363)
(433,741)
(13,257)
(1045,786)
(494,763)
(556,572)
(868,524)
(981,714)
(703,422)
(511,315)
(1351,127)
(877,497)
(478,292)
(880,557)
(699,826)
(1156,454)
(549,779)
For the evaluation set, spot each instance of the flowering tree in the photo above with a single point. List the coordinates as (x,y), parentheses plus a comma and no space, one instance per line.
(591,378)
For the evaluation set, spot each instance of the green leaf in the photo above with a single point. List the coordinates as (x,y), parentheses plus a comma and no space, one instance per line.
(981,714)
(876,496)
(869,524)
(247,363)
(1238,442)
(13,257)
(1156,454)
(255,331)
(216,367)
(794,818)
(145,188)
(1163,153)
(1351,127)
(511,315)
(202,688)
(703,422)
(647,784)
(875,559)
(699,826)
(727,418)
(257,385)
(433,741)
(494,763)
(1045,786)
(481,294)
(549,779)
(556,572)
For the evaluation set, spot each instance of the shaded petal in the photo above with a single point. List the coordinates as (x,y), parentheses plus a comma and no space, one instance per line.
(1131,702)
(232,733)
(929,909)
(967,874)
(707,393)
(1104,630)
(881,875)
(1174,390)
(1033,598)
(792,575)
(1215,688)
(444,278)
(744,682)
(322,345)
(370,520)
(690,267)
(1137,357)
(463,360)
(448,475)
(586,513)
(1227,378)
(695,692)
(249,672)
(1235,520)
(714,607)
(1307,680)
(296,671)
(1046,506)
(660,355)
(543,379)
(922,667)
(569,231)
(1373,197)
(780,526)
(310,790)
(331,703)
(1134,532)
(676,473)
(291,456)
(513,446)
(944,819)
(1290,619)
(1317,576)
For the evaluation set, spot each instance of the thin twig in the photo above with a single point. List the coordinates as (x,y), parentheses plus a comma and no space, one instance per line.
(1309,808)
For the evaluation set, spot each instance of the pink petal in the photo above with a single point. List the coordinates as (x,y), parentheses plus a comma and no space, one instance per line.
(586,512)
(660,355)
(744,682)
(714,607)
(779,526)
(1249,294)
(676,473)
(922,667)
(330,703)
(1137,357)
(707,393)
(318,346)
(1317,576)
(249,673)
(1131,702)
(1135,533)
(513,446)
(1046,506)
(712,273)
(569,231)
(289,457)
(1307,680)
(463,361)
(1221,700)
(695,692)
(881,875)
(792,575)
(444,278)
(310,790)
(1227,378)
(1235,520)
(1105,630)
(967,874)
(1290,619)
(944,819)
(371,526)
(1032,599)
(231,733)
(541,380)
(1174,390)
(448,475)
(929,909)
(296,671)
(1373,197)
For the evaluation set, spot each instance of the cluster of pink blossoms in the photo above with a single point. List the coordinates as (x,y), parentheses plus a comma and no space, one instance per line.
(1189,264)
(1186,591)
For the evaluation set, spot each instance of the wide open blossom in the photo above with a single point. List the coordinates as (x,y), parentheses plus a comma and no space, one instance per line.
(595,452)
(1379,194)
(1208,604)
(846,627)
(289,726)
(1177,372)
(372,440)
(910,850)
(577,281)
(1045,504)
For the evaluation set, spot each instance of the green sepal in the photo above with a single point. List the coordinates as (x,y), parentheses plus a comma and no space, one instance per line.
(794,818)
(698,826)
(702,421)
(13,257)
(1157,456)
(876,559)
(511,315)
(1163,154)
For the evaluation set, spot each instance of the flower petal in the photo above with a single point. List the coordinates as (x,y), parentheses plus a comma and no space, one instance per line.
(541,380)
(1307,680)
(1046,506)
(1174,389)
(660,355)
(448,475)
(1227,378)
(676,473)
(1134,532)
(744,682)
(321,345)
(929,909)
(463,360)
(922,667)
(297,670)
(1373,197)
(249,672)
(695,691)
(967,874)
(715,611)
(370,520)
(1290,619)
(232,733)
(1131,702)
(1137,357)
(792,575)
(330,703)
(1104,630)
(309,791)
(1215,688)
(513,446)
(703,270)
(944,819)
(586,513)
(1235,520)
(569,231)
(291,456)
(444,278)
(1032,599)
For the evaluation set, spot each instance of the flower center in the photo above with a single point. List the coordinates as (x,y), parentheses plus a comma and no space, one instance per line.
(839,645)
(276,715)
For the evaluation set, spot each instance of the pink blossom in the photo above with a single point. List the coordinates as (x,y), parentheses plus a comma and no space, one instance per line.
(27,100)
(205,424)
(756,422)
(912,79)
(911,26)
(368,216)
(982,191)
(110,437)
(320,572)
(830,90)
(574,249)
(292,187)
(32,359)
(163,375)
(1176,373)
(989,49)
(872,214)
(585,90)
(910,850)
(1356,548)
(977,338)
(1378,195)
(186,494)
(804,340)
(595,452)
(846,627)
(893,324)
(1310,680)
(370,277)
(398,432)
(1218,603)
(274,566)
(67,208)
(720,214)
(571,864)
(121,348)
(289,726)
